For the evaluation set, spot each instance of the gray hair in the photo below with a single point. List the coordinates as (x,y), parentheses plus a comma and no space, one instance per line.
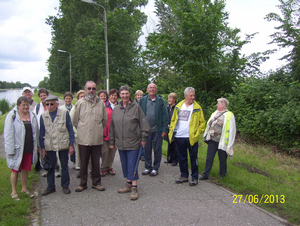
(125,87)
(89,82)
(224,102)
(188,90)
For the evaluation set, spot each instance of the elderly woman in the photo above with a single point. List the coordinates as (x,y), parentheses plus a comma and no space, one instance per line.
(21,132)
(220,135)
(138,95)
(129,129)
(172,154)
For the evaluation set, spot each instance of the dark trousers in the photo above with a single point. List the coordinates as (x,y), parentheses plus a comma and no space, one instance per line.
(182,144)
(157,146)
(85,152)
(65,177)
(211,152)
(172,153)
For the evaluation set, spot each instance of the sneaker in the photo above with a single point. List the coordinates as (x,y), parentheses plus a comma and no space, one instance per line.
(126,189)
(154,173)
(111,172)
(102,173)
(134,193)
(146,172)
(181,180)
(193,183)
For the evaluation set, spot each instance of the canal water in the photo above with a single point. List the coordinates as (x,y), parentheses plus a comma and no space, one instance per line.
(11,95)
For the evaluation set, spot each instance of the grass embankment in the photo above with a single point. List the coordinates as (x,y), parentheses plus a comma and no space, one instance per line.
(15,212)
(261,175)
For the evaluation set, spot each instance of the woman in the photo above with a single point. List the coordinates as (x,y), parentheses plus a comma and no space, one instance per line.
(172,154)
(80,94)
(108,155)
(129,129)
(220,135)
(138,95)
(21,132)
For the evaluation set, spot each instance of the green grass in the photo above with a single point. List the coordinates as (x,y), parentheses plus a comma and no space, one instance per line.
(14,212)
(259,171)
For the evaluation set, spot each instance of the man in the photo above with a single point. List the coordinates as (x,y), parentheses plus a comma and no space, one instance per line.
(56,135)
(155,109)
(27,92)
(89,119)
(187,124)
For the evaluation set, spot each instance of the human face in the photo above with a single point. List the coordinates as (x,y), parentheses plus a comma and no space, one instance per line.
(103,97)
(51,105)
(81,96)
(151,89)
(125,95)
(171,101)
(43,96)
(68,100)
(90,90)
(138,97)
(24,107)
(113,98)
(189,98)
(220,106)
(27,93)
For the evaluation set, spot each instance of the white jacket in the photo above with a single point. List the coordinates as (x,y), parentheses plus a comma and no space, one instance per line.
(14,138)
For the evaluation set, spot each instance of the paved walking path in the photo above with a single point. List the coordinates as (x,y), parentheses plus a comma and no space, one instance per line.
(161,202)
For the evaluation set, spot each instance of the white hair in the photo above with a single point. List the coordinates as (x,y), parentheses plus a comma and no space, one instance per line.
(188,90)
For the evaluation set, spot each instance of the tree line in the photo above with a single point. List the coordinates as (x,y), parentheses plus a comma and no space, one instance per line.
(193,45)
(12,85)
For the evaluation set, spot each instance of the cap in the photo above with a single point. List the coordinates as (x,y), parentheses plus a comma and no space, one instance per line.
(26,88)
(51,97)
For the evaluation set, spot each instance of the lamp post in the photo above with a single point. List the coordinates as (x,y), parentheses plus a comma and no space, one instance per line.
(106,43)
(70,57)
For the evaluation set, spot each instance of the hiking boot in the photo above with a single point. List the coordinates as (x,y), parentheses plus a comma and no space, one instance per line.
(126,189)
(181,180)
(134,193)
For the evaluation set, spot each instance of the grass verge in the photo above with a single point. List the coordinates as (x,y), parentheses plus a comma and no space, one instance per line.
(273,177)
(15,212)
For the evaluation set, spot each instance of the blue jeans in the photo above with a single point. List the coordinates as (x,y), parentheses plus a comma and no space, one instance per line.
(211,152)
(129,160)
(65,177)
(182,144)
(157,145)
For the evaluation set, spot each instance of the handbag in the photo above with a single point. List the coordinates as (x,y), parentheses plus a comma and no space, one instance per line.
(204,139)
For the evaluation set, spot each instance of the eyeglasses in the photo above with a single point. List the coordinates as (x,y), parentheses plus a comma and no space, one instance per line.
(89,88)
(24,105)
(49,104)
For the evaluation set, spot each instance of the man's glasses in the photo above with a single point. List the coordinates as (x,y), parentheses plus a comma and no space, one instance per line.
(49,104)
(89,88)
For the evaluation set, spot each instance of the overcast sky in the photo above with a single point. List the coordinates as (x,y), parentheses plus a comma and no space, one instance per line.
(25,38)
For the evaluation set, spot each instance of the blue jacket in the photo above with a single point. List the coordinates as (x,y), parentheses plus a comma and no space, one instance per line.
(161,113)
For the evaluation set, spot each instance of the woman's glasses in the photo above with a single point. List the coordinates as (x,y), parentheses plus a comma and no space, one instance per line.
(49,104)
(89,88)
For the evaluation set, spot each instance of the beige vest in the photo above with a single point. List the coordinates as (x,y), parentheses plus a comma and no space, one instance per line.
(56,132)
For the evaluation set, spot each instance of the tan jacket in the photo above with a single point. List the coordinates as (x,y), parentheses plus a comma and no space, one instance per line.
(89,119)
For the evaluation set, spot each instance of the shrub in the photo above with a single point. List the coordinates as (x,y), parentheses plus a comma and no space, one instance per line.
(4,106)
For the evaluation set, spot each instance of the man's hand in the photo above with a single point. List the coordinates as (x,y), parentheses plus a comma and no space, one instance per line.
(71,150)
(163,134)
(143,143)
(44,153)
(112,146)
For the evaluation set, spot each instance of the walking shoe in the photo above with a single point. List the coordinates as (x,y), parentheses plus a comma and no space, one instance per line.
(28,194)
(47,192)
(203,178)
(102,173)
(57,174)
(174,164)
(126,189)
(193,182)
(134,193)
(111,172)
(44,174)
(15,197)
(154,173)
(67,190)
(181,180)
(146,172)
(98,187)
(80,188)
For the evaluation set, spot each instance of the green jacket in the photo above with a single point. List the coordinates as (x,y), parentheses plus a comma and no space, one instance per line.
(197,124)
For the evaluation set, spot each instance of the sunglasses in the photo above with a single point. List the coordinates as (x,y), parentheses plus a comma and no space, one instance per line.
(49,104)
(91,88)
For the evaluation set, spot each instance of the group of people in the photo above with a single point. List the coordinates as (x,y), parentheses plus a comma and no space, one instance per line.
(99,125)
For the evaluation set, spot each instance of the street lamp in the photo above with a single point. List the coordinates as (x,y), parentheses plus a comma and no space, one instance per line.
(70,57)
(106,43)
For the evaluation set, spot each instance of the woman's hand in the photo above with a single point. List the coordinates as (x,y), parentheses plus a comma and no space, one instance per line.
(111,146)
(143,143)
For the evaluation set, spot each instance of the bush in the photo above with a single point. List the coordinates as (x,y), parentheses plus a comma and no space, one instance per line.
(4,106)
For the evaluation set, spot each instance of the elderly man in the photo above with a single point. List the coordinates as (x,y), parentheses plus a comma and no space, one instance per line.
(27,92)
(188,123)
(89,119)
(56,135)
(155,109)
